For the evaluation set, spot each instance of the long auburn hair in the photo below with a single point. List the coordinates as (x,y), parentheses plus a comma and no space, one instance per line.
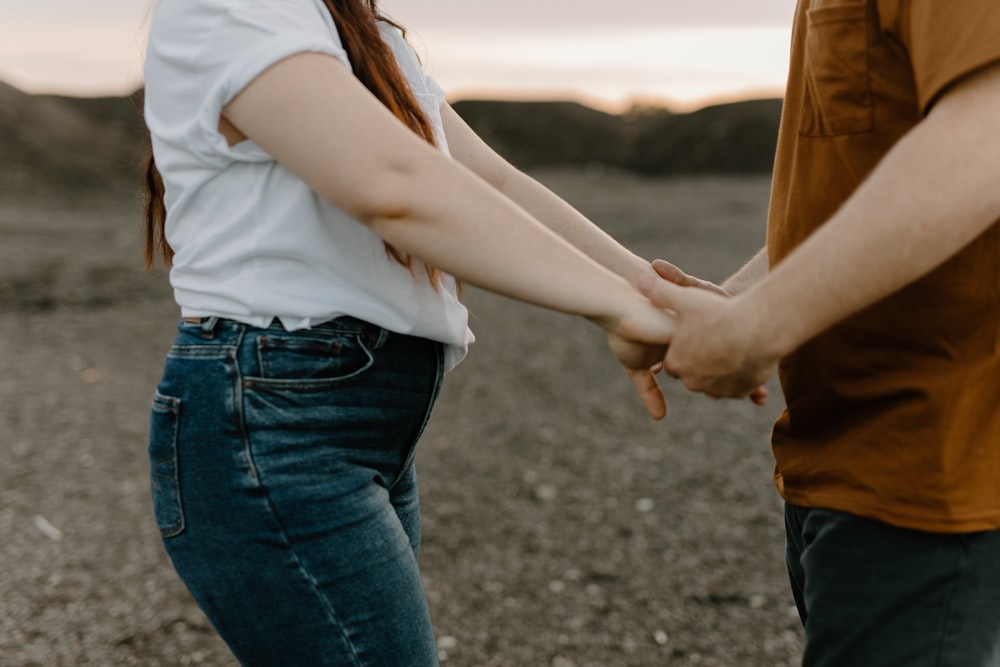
(373,64)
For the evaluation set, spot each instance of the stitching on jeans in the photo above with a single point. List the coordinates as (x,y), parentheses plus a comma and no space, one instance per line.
(324,601)
(200,352)
(240,415)
(315,384)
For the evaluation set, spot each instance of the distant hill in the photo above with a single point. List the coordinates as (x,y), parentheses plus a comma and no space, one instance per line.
(54,144)
(728,138)
(736,138)
(64,145)
(533,134)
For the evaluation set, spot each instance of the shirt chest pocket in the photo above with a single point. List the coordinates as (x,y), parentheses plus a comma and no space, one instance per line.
(838,97)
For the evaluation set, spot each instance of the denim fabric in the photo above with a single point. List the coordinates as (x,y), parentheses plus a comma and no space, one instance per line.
(873,595)
(284,488)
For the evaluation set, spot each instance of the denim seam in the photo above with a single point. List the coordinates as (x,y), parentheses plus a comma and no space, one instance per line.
(324,601)
(201,352)
(237,403)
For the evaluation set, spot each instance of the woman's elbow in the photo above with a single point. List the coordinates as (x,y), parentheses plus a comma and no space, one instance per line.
(390,194)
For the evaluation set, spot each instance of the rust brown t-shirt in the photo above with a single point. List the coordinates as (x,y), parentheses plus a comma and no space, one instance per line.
(894,414)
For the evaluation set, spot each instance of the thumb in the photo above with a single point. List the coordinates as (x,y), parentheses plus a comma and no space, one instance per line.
(662,293)
(668,271)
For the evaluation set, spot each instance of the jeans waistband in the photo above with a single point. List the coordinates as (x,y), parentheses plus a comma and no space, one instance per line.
(218,327)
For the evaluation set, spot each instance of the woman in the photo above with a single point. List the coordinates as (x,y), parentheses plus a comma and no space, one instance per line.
(314,221)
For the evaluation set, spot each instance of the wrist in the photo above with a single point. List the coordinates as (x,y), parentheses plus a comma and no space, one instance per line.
(732,287)
(737,285)
(638,269)
(617,300)
(770,334)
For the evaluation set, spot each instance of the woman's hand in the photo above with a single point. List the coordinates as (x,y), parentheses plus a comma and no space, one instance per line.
(639,339)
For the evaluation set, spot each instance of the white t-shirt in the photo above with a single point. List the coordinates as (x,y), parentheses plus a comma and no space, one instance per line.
(253,242)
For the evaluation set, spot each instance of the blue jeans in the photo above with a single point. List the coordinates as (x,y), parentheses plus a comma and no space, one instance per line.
(873,595)
(284,488)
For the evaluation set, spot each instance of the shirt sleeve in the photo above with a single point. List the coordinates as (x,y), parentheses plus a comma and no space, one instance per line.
(947,40)
(203,53)
(437,91)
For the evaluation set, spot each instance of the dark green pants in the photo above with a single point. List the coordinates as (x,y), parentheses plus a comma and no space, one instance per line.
(873,595)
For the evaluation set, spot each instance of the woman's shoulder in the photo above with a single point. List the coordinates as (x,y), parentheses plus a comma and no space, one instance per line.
(202,53)
(202,38)
(195,20)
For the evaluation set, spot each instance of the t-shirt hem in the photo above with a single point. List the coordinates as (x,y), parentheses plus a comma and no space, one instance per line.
(958,524)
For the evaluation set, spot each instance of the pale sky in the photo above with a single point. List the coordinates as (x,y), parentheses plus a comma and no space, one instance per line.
(674,51)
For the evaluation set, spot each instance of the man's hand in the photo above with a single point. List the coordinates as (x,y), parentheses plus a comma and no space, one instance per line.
(668,271)
(714,349)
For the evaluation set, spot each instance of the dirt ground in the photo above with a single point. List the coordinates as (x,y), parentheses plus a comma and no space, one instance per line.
(562,527)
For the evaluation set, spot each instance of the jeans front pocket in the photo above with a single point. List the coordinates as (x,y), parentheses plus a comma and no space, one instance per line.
(306,361)
(838,96)
(163,462)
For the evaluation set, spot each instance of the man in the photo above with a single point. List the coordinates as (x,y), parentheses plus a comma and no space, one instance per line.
(882,308)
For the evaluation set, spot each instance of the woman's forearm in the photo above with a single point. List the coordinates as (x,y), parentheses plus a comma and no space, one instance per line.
(540,202)
(563,219)
(457,222)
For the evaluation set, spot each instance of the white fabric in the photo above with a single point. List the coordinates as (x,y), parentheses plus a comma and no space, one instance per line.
(252,241)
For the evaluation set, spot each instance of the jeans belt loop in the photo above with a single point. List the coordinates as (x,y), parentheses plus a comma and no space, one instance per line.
(208,325)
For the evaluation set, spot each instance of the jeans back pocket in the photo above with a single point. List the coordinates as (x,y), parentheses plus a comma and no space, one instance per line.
(838,96)
(164,465)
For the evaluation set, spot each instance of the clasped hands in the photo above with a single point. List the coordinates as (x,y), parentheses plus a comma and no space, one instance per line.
(716,345)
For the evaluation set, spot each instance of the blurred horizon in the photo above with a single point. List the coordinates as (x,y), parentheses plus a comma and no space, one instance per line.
(662,53)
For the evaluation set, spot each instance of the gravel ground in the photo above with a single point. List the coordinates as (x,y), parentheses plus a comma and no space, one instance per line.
(562,527)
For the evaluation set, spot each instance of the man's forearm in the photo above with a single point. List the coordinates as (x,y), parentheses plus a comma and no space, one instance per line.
(935,192)
(749,275)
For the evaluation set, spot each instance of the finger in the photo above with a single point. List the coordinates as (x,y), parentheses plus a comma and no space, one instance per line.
(662,293)
(668,271)
(733,390)
(759,396)
(649,391)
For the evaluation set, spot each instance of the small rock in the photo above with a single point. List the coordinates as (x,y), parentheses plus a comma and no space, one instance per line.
(47,529)
(546,492)
(645,505)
